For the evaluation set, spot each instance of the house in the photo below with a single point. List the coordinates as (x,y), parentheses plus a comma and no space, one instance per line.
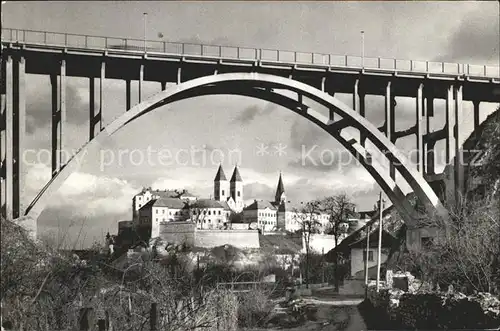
(353,251)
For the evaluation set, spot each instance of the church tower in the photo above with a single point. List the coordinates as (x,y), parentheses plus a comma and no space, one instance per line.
(236,189)
(280,192)
(280,203)
(221,186)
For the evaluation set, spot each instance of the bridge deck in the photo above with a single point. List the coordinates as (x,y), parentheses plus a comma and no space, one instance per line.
(162,59)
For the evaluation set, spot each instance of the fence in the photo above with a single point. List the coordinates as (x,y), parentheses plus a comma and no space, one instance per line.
(243,287)
(243,53)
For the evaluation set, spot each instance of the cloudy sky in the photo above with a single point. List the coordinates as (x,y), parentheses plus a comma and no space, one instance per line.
(231,129)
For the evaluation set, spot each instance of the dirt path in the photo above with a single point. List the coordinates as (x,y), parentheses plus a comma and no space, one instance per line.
(329,317)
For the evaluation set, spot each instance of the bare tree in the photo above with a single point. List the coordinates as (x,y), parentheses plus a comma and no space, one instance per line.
(465,251)
(339,209)
(307,217)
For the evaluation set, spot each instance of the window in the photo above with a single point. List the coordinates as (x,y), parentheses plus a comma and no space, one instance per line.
(222,192)
(157,219)
(370,255)
(163,211)
(157,211)
(139,205)
(209,212)
(238,193)
(139,198)
(163,219)
(219,212)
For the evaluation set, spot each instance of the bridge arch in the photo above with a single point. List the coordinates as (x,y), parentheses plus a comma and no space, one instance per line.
(263,86)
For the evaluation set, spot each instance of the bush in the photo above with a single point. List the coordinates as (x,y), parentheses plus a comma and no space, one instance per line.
(254,309)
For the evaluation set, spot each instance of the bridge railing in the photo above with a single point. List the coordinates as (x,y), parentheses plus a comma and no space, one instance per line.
(244,53)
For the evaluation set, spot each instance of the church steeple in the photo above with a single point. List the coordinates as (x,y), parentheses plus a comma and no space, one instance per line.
(220,174)
(221,185)
(280,191)
(236,189)
(236,175)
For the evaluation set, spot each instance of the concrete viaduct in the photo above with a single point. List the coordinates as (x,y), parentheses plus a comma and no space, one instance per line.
(199,70)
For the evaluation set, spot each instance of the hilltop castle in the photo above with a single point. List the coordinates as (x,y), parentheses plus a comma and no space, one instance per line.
(151,208)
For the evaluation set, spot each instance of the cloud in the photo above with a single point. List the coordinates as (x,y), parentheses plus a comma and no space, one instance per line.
(476,39)
(84,194)
(258,191)
(39,108)
(251,112)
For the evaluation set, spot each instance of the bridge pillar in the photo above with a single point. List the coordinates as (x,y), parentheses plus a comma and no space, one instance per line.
(19,167)
(358,104)
(92,110)
(58,116)
(429,146)
(392,128)
(101,92)
(459,160)
(3,142)
(476,113)
(389,120)
(128,103)
(449,124)
(9,135)
(420,114)
(141,81)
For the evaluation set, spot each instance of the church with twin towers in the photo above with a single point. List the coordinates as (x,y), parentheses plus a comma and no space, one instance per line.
(230,191)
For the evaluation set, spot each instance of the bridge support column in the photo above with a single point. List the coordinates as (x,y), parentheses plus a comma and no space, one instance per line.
(19,167)
(429,146)
(420,136)
(459,160)
(179,75)
(93,116)
(3,142)
(9,135)
(476,113)
(58,116)
(101,93)
(358,103)
(389,121)
(141,81)
(392,128)
(449,124)
(128,102)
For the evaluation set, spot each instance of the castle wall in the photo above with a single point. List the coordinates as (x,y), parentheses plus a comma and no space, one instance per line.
(178,232)
(236,238)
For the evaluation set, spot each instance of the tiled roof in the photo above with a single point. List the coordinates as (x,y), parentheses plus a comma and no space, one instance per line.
(260,204)
(188,195)
(220,174)
(173,203)
(209,203)
(236,175)
(167,193)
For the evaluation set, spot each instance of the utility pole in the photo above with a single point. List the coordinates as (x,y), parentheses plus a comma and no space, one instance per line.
(366,258)
(362,49)
(145,15)
(379,255)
